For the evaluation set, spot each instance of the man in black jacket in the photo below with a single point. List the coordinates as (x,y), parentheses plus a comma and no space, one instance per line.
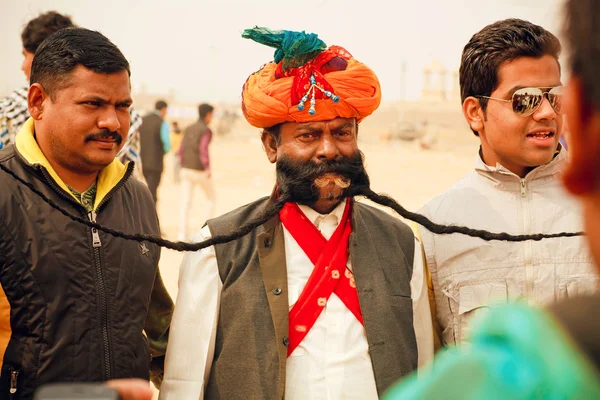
(77,304)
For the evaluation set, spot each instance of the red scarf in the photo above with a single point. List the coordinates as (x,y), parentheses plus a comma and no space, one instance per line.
(330,274)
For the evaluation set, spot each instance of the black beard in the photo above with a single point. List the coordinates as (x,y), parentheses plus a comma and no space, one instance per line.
(295,179)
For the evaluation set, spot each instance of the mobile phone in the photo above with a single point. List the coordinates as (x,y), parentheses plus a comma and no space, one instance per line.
(76,390)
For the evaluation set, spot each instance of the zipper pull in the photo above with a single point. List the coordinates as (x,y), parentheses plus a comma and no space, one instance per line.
(523,188)
(13,381)
(95,236)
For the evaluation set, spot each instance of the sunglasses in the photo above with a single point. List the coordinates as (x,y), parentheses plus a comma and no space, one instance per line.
(526,101)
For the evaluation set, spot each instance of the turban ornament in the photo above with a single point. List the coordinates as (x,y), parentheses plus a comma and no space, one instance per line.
(306,70)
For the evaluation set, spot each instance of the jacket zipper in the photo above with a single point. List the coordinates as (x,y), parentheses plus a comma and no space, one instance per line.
(96,245)
(527,245)
(13,382)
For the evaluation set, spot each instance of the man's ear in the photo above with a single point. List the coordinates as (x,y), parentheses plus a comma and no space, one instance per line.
(582,175)
(473,113)
(36,97)
(270,146)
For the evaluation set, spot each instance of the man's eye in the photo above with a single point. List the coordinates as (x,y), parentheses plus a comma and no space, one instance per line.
(344,134)
(93,103)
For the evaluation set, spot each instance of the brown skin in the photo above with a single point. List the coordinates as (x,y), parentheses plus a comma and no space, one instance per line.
(163,112)
(208,118)
(26,66)
(503,134)
(582,176)
(88,104)
(316,142)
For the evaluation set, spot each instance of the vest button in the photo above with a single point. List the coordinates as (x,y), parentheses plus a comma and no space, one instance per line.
(267,242)
(286,341)
(276,291)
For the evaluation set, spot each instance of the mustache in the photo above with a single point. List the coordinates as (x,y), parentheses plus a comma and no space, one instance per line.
(301,180)
(341,182)
(105,133)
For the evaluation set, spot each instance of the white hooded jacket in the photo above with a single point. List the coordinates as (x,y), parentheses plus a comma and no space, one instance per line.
(469,274)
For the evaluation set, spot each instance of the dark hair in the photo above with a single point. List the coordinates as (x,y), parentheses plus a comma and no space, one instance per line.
(274,131)
(204,109)
(160,104)
(496,44)
(38,29)
(276,205)
(64,50)
(583,37)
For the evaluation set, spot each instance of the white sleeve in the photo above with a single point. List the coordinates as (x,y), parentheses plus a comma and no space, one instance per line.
(421,312)
(193,330)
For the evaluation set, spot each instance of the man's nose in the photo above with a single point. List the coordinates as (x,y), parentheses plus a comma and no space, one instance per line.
(545,111)
(109,120)
(328,149)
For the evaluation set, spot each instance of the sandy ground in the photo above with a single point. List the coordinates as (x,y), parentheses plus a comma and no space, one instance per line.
(242,174)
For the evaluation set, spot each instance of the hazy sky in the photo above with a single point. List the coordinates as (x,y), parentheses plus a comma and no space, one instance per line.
(194,48)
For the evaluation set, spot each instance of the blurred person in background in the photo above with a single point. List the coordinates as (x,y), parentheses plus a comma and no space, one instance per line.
(155,143)
(195,168)
(176,136)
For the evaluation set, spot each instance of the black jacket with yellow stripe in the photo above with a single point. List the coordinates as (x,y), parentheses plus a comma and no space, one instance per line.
(74,302)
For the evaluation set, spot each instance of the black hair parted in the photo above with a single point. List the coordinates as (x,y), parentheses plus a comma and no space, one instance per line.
(496,44)
(68,48)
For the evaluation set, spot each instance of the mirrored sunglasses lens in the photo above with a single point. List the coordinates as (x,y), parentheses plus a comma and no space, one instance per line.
(555,97)
(527,100)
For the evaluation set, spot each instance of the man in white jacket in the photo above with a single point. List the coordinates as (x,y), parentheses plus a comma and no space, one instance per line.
(511,93)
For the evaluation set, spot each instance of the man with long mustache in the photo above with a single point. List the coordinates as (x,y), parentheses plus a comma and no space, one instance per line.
(326,300)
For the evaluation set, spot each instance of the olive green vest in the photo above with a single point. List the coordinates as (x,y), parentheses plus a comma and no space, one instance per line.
(250,351)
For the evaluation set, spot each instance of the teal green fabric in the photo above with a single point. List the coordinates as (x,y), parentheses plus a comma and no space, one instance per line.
(86,198)
(516,353)
(165,134)
(294,49)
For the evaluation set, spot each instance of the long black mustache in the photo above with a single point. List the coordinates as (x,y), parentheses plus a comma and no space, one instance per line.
(297,179)
(277,204)
(116,136)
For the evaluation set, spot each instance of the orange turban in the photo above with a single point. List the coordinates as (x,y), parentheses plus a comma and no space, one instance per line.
(329,83)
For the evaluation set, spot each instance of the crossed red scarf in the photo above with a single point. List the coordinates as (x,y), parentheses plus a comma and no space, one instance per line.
(330,274)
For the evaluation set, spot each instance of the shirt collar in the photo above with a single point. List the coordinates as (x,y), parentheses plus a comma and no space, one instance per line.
(316,218)
(498,171)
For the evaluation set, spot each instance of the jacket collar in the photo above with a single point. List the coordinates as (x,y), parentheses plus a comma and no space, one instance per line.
(30,151)
(500,173)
